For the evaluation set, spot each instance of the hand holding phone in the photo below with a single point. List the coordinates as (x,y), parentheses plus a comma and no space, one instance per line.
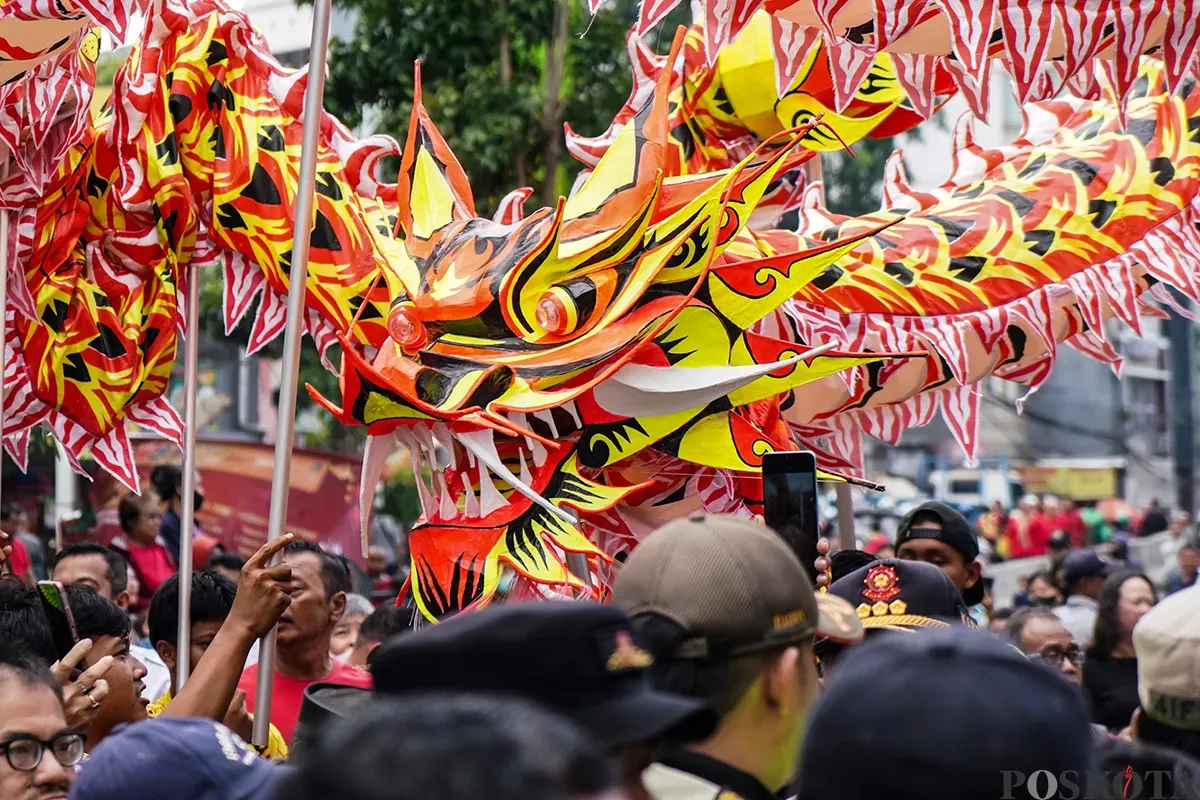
(790,504)
(83,689)
(57,607)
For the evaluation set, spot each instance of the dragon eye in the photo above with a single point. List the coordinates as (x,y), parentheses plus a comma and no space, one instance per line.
(405,328)
(563,309)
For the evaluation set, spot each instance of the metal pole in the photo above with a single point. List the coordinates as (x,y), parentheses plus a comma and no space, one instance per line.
(814,172)
(290,373)
(1181,335)
(187,521)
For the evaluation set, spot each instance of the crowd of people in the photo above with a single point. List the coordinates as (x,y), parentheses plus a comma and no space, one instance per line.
(716,670)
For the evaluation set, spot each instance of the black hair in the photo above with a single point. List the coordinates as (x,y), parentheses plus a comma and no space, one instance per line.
(97,616)
(334,573)
(1107,633)
(1159,771)
(1015,627)
(450,747)
(385,622)
(843,562)
(129,511)
(167,479)
(1153,732)
(1047,577)
(212,599)
(118,571)
(1003,613)
(223,559)
(17,661)
(23,623)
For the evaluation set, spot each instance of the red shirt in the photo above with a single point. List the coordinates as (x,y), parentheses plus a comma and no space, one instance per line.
(287,693)
(1072,522)
(153,565)
(20,564)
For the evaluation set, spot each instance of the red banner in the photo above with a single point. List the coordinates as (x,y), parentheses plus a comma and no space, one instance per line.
(235,478)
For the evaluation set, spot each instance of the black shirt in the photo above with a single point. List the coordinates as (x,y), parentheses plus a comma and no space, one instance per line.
(1111,688)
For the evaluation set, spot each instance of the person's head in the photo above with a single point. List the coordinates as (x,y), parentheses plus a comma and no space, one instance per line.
(1124,599)
(226,563)
(1084,571)
(576,658)
(23,622)
(729,614)
(1179,523)
(453,747)
(376,562)
(998,508)
(108,626)
(998,622)
(38,752)
(1029,503)
(1189,558)
(95,566)
(383,623)
(212,599)
(940,714)
(1058,544)
(345,633)
(935,533)
(844,562)
(1050,504)
(167,480)
(1147,769)
(13,519)
(895,596)
(180,759)
(320,583)
(1067,504)
(1042,589)
(139,519)
(1043,637)
(1167,644)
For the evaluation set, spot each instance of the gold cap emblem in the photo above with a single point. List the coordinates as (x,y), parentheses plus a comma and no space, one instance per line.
(628,655)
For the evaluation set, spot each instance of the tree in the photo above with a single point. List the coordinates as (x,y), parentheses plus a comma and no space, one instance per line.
(853,184)
(499,77)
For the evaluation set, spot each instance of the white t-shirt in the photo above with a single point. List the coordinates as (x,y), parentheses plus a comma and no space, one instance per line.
(158,677)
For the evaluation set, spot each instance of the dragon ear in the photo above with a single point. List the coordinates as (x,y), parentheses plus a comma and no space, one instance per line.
(433,188)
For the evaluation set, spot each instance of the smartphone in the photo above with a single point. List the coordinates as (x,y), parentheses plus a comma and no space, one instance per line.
(57,608)
(790,503)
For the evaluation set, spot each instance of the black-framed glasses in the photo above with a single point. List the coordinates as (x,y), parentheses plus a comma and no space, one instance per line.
(1054,658)
(24,753)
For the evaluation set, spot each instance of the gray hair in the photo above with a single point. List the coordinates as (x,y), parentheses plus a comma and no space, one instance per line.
(357,606)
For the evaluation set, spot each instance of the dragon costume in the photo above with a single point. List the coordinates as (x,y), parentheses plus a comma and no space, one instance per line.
(565,380)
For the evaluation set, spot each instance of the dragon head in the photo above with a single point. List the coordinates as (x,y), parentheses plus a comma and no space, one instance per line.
(529,363)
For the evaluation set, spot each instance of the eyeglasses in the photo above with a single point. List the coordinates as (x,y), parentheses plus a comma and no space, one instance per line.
(1054,658)
(25,753)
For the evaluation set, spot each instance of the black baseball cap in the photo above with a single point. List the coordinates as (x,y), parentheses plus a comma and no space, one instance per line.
(176,757)
(1087,564)
(946,714)
(324,703)
(734,585)
(576,658)
(955,530)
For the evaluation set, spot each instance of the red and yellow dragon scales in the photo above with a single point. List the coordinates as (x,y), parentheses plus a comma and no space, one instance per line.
(565,379)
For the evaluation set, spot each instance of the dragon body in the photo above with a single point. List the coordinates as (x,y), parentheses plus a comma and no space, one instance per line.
(566,379)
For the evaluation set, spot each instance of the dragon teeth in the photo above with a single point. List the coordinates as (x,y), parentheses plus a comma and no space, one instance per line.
(483,444)
(470,504)
(548,417)
(490,498)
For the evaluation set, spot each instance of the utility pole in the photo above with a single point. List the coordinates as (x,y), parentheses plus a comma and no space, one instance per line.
(1182,359)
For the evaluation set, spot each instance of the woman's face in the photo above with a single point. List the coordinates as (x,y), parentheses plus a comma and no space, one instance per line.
(1137,597)
(1043,593)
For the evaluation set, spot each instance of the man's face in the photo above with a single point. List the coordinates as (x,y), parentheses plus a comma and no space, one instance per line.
(311,615)
(32,711)
(942,556)
(1189,560)
(1052,641)
(124,702)
(202,635)
(345,634)
(89,570)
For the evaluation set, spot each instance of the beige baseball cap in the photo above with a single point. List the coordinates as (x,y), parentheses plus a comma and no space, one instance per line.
(1167,643)
(733,584)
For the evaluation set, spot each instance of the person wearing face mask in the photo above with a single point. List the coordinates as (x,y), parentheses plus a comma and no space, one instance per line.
(167,480)
(1110,675)
(1042,590)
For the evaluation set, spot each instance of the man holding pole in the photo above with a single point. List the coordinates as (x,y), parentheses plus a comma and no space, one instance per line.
(319,582)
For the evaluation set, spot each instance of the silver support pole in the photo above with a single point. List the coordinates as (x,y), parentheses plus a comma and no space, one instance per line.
(290,373)
(187,521)
(3,319)
(578,564)
(845,501)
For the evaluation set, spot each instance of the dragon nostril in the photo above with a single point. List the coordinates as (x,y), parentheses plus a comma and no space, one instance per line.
(405,328)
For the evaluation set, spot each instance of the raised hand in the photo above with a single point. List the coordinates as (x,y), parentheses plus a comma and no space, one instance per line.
(263,590)
(823,562)
(82,696)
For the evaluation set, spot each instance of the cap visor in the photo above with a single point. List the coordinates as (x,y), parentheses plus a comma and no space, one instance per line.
(905,622)
(836,619)
(646,715)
